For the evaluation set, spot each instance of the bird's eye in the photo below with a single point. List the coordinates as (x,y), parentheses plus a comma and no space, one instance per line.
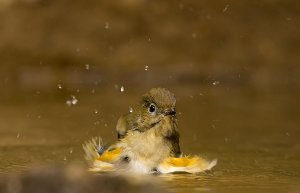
(152,108)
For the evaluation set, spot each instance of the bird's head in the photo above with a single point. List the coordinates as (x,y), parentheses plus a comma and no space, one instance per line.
(154,106)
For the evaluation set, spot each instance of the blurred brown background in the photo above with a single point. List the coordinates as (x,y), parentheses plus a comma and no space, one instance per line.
(233,66)
(96,44)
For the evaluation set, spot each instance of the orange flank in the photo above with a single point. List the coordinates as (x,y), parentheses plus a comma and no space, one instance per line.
(110,155)
(187,164)
(182,161)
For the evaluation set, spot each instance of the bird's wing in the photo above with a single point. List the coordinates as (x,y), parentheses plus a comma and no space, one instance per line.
(122,127)
(187,164)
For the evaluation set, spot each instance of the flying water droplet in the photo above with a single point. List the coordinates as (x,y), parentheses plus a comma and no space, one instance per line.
(146,68)
(72,101)
(130,109)
(69,103)
(97,123)
(216,83)
(122,89)
(225,8)
(106,25)
(59,86)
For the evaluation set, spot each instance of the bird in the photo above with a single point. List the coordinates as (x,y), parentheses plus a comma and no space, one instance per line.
(156,110)
(148,140)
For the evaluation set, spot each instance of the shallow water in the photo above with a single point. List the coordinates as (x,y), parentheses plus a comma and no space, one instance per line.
(254,134)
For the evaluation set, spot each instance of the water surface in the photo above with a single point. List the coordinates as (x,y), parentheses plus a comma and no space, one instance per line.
(254,134)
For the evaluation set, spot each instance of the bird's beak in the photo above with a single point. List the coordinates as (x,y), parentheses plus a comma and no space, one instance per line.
(170,112)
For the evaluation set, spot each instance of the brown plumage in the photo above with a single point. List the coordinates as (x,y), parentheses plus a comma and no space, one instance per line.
(156,106)
(148,140)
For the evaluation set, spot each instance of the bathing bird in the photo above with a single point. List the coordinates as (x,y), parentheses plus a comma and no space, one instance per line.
(148,140)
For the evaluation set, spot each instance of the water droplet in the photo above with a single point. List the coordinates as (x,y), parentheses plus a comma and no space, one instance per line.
(146,68)
(96,111)
(106,25)
(59,86)
(69,103)
(130,109)
(96,122)
(216,83)
(65,158)
(122,89)
(71,151)
(87,66)
(225,8)
(18,135)
(72,101)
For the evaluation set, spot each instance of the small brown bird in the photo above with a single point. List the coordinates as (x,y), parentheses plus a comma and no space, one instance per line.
(149,134)
(148,140)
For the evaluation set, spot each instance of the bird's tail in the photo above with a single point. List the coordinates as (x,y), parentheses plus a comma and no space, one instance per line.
(99,156)
(91,149)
